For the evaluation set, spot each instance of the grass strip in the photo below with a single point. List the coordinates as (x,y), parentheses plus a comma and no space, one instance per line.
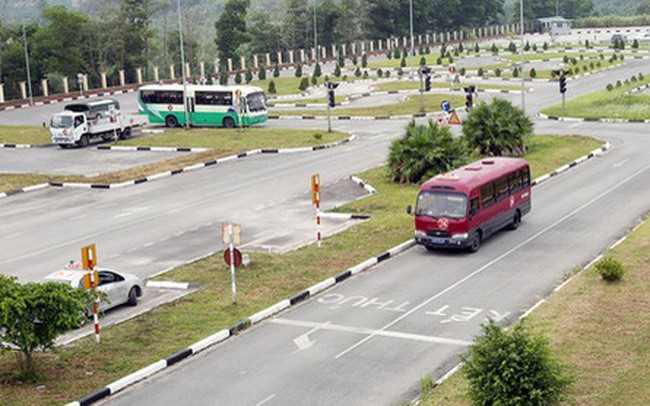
(414,85)
(606,104)
(601,332)
(24,135)
(78,369)
(410,106)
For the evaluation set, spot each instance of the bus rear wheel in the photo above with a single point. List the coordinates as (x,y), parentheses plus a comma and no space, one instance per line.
(171,121)
(228,122)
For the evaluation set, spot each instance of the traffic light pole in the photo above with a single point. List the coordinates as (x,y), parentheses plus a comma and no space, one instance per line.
(329,118)
(421,93)
(564,104)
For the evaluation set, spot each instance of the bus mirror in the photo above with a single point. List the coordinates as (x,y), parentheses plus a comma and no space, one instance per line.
(409,209)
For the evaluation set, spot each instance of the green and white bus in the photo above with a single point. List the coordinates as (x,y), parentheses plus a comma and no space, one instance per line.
(209,105)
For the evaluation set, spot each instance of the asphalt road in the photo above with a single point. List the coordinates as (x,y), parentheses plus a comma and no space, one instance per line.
(370,340)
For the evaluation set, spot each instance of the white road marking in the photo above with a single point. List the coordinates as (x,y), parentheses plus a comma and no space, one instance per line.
(149,244)
(266,400)
(619,164)
(372,332)
(489,264)
(575,125)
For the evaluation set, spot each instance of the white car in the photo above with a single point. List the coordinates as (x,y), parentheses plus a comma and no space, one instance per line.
(116,288)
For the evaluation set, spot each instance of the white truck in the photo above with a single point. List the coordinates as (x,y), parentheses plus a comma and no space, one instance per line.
(79,123)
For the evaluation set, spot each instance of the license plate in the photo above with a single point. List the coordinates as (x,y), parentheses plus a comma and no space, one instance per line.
(438,240)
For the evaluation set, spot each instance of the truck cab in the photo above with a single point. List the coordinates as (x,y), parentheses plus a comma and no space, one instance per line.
(68,128)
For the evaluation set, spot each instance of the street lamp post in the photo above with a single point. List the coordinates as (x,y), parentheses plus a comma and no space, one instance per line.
(315,34)
(29,73)
(412,39)
(180,36)
(521,51)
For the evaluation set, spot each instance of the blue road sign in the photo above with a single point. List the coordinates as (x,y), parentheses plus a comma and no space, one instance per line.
(446,106)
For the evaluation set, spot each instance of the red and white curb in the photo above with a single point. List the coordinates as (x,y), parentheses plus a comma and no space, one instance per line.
(16,146)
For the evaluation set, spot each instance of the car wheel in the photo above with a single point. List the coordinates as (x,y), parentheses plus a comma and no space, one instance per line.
(228,122)
(133,297)
(430,248)
(126,133)
(84,141)
(171,121)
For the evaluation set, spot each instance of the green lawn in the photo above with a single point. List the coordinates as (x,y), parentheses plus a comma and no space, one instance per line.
(24,135)
(554,55)
(76,370)
(411,106)
(605,104)
(414,85)
(601,331)
(289,85)
(237,140)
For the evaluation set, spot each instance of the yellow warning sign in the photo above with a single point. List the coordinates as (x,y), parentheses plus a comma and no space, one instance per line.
(454,118)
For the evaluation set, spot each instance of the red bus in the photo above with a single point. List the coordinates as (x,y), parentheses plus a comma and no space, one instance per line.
(462,208)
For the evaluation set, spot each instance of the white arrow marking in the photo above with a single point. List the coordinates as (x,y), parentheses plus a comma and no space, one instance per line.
(303,342)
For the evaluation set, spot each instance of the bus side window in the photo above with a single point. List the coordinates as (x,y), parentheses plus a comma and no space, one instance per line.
(501,186)
(487,195)
(473,206)
(514,182)
(525,176)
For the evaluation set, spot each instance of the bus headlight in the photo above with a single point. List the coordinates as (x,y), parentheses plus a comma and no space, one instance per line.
(420,233)
(462,236)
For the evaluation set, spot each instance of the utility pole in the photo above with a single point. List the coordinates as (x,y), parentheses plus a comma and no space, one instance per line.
(29,73)
(521,51)
(557,8)
(412,40)
(315,33)
(183,72)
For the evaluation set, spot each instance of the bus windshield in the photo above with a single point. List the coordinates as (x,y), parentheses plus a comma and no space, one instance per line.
(450,205)
(256,102)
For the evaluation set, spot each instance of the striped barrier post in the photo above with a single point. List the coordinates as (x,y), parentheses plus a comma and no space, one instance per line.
(315,199)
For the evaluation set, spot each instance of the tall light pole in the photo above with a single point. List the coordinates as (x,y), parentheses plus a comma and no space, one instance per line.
(521,51)
(29,73)
(180,36)
(557,7)
(315,33)
(412,39)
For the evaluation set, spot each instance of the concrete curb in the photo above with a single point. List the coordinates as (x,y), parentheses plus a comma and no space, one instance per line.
(244,324)
(576,162)
(16,146)
(591,120)
(363,184)
(238,327)
(152,149)
(176,171)
(362,118)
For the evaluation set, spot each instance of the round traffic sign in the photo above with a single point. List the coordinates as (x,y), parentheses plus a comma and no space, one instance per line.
(236,255)
(445,106)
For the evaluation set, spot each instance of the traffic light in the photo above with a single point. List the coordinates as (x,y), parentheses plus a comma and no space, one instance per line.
(562,84)
(331,101)
(427,83)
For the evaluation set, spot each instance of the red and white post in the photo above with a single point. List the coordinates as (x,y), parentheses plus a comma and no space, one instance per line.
(315,199)
(94,283)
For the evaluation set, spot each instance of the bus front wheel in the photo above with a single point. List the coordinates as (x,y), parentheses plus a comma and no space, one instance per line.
(228,122)
(475,243)
(171,121)
(516,220)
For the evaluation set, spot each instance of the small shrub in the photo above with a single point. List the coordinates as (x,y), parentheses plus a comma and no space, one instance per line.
(614,57)
(610,87)
(477,49)
(380,73)
(582,57)
(621,57)
(598,64)
(497,72)
(618,83)
(344,78)
(610,269)
(574,61)
(238,77)
(420,51)
(400,72)
(450,59)
(494,49)
(396,53)
(480,72)
(337,71)
(276,71)
(354,60)
(462,71)
(627,82)
(365,74)
(314,80)
(439,61)
(545,46)
(261,73)
(271,88)
(535,47)
(635,44)
(423,61)
(402,63)
(633,79)
(298,72)
(601,56)
(249,76)
(357,72)
(387,74)
(532,73)
(364,60)
(318,135)
(527,46)
(427,50)
(641,77)
(591,65)
(515,72)
(389,55)
(317,71)
(553,74)
(461,49)
(576,70)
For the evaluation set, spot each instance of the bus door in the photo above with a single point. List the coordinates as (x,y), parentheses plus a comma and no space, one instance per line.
(191,110)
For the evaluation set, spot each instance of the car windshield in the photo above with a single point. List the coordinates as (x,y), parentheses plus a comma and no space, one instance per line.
(450,205)
(256,102)
(61,122)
